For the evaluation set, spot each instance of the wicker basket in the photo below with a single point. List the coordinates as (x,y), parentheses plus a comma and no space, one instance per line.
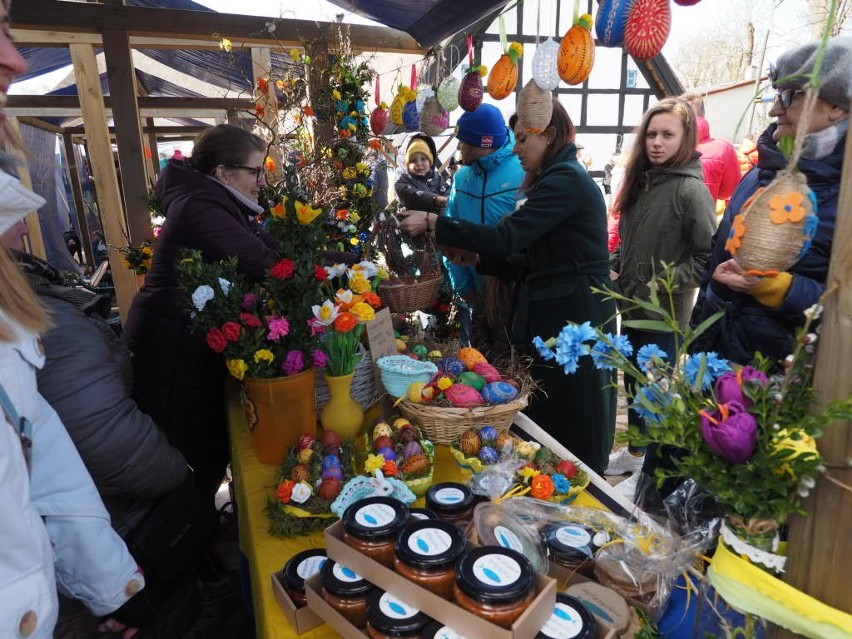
(441,425)
(411,293)
(363,384)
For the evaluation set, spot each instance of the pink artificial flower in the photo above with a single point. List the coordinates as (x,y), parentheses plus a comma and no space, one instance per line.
(729,387)
(250,300)
(731,431)
(317,327)
(278,327)
(294,363)
(320,358)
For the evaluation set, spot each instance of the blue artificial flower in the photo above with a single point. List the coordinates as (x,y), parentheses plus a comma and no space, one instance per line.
(714,367)
(571,346)
(651,402)
(561,483)
(648,355)
(604,352)
(543,349)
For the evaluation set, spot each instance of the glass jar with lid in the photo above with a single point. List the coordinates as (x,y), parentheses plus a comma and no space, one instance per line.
(570,620)
(451,501)
(346,591)
(437,630)
(388,617)
(494,583)
(573,545)
(298,569)
(422,513)
(370,526)
(426,553)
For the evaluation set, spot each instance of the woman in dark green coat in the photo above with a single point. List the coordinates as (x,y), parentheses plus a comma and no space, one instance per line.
(561,228)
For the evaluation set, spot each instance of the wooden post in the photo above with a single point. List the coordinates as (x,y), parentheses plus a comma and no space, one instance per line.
(35,236)
(820,549)
(79,201)
(103,169)
(154,161)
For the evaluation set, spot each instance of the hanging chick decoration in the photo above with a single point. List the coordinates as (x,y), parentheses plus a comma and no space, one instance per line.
(504,75)
(577,52)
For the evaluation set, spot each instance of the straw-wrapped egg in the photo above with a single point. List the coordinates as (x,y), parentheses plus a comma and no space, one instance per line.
(500,392)
(487,371)
(471,357)
(382,429)
(463,396)
(469,442)
(452,365)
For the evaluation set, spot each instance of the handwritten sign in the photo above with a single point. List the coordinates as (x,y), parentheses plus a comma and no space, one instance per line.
(380,337)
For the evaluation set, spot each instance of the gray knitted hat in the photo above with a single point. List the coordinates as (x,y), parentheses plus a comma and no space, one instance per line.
(836,71)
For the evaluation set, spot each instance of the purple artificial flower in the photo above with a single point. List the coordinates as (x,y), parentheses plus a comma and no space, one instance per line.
(250,300)
(731,431)
(278,327)
(317,327)
(729,387)
(320,358)
(294,363)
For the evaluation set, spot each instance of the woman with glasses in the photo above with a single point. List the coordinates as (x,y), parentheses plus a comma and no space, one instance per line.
(210,204)
(762,314)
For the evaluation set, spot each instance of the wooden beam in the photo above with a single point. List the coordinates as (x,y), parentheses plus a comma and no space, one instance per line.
(184,131)
(187,105)
(79,201)
(128,134)
(60,16)
(53,39)
(35,237)
(41,124)
(103,170)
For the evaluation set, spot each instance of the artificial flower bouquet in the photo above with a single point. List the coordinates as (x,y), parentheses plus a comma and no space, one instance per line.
(138,258)
(311,477)
(400,451)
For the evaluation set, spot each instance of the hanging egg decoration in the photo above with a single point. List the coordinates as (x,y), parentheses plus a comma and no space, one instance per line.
(544,69)
(535,108)
(403,97)
(379,119)
(410,116)
(471,90)
(504,75)
(611,20)
(577,52)
(423,94)
(448,93)
(434,120)
(648,27)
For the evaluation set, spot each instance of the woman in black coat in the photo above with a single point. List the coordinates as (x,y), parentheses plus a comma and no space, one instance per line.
(210,204)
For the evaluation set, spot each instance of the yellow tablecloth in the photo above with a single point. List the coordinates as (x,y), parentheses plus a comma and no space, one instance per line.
(254,482)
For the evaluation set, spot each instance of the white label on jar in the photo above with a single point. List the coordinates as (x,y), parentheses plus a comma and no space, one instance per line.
(447,633)
(345,573)
(564,623)
(394,608)
(310,566)
(375,515)
(601,538)
(507,538)
(420,516)
(496,570)
(449,496)
(573,537)
(430,541)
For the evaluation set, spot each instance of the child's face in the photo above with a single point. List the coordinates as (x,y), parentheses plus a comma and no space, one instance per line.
(419,164)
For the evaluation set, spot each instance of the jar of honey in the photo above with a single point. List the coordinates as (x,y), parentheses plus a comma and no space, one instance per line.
(451,501)
(573,545)
(370,526)
(298,569)
(426,553)
(422,513)
(570,620)
(346,591)
(391,618)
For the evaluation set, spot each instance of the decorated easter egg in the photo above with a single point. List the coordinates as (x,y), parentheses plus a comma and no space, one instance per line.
(400,345)
(401,422)
(544,68)
(382,442)
(382,429)
(577,52)
(415,464)
(472,379)
(306,440)
(471,357)
(329,461)
(648,27)
(611,20)
(500,392)
(567,468)
(331,439)
(304,455)
(379,119)
(420,350)
(490,373)
(469,442)
(429,393)
(488,433)
(300,472)
(503,440)
(434,120)
(452,365)
(488,455)
(463,396)
(503,77)
(334,472)
(448,93)
(471,90)
(388,453)
(415,392)
(412,448)
(329,489)
(398,105)
(408,434)
(410,117)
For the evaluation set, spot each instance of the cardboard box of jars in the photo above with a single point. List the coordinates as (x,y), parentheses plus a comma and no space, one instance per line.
(463,622)
(302,619)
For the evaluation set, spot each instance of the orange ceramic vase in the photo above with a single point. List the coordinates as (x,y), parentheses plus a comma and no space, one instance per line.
(278,410)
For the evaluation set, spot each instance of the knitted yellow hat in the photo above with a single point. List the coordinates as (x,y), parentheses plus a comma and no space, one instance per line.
(418,146)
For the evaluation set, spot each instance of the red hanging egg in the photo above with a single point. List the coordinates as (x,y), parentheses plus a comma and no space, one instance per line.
(648,27)
(471,91)
(379,120)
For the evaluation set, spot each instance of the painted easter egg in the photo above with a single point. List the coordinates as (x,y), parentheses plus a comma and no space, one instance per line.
(300,472)
(415,392)
(329,489)
(379,119)
(503,77)
(329,461)
(611,20)
(420,350)
(471,91)
(410,117)
(304,455)
(488,455)
(448,93)
(388,453)
(434,355)
(401,422)
(434,120)
(488,433)
(330,439)
(335,472)
(648,27)
(415,464)
(452,365)
(577,52)
(472,379)
(382,429)
(503,440)
(471,357)
(408,435)
(500,392)
(306,440)
(382,442)
(567,468)
(487,371)
(412,448)
(463,396)
(469,442)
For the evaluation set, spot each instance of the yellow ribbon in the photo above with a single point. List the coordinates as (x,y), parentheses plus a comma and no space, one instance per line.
(301,512)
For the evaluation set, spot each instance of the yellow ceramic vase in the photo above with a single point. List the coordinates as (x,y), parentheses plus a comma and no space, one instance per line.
(342,414)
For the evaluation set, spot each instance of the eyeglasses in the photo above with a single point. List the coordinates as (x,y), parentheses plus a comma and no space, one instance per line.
(258,173)
(787,96)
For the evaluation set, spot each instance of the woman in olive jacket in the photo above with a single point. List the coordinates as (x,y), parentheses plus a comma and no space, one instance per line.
(562,229)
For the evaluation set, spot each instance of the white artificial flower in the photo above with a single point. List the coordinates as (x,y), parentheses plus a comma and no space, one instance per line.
(225,285)
(325,314)
(344,297)
(335,271)
(201,296)
(369,269)
(301,492)
(813,312)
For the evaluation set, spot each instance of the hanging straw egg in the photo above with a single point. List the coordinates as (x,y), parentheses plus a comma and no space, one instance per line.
(648,27)
(577,52)
(433,119)
(471,91)
(535,107)
(379,119)
(611,20)
(544,69)
(448,93)
(775,226)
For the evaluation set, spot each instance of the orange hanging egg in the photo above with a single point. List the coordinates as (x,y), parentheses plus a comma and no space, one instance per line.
(503,77)
(577,52)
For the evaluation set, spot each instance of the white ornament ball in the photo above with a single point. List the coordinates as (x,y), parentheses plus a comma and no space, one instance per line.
(544,67)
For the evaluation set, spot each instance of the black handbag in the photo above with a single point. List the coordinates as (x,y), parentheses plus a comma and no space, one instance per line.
(173,535)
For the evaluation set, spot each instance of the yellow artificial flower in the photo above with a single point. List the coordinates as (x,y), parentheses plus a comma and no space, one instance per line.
(363,311)
(226,45)
(147,250)
(374,463)
(444,383)
(237,368)
(383,273)
(336,94)
(147,264)
(279,210)
(359,283)
(263,355)
(296,54)
(127,263)
(527,450)
(528,473)
(517,47)
(363,168)
(353,216)
(349,173)
(306,213)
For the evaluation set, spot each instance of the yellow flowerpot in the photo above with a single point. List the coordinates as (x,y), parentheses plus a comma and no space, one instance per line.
(342,414)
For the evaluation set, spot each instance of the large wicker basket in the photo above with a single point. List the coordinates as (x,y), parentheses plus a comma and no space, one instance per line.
(441,425)
(410,293)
